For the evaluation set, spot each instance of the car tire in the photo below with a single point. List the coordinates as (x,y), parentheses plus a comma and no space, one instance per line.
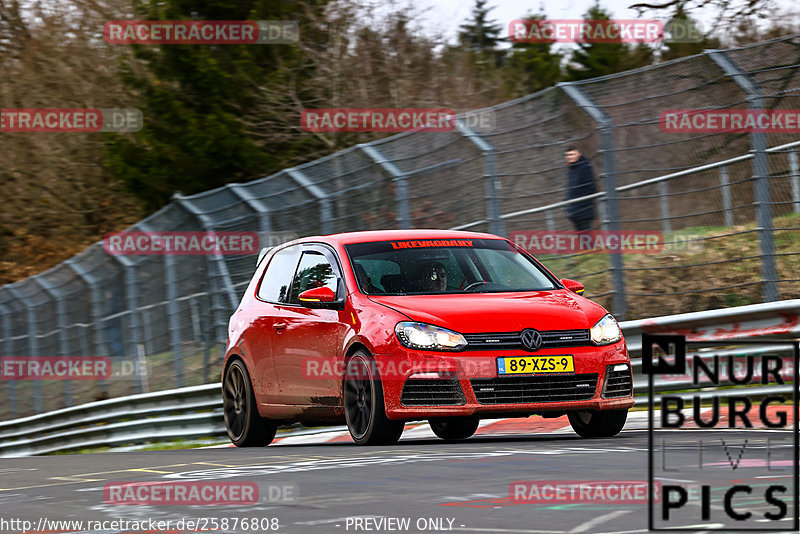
(364,408)
(597,424)
(245,426)
(454,428)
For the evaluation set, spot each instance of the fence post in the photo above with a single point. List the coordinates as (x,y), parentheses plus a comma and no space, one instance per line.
(758,147)
(795,170)
(490,180)
(325,207)
(216,263)
(5,313)
(173,321)
(97,299)
(200,333)
(264,214)
(217,259)
(609,175)
(727,206)
(137,340)
(265,228)
(61,314)
(399,179)
(551,223)
(663,191)
(601,212)
(33,344)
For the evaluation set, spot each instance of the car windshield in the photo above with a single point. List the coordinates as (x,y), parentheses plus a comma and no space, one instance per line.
(429,266)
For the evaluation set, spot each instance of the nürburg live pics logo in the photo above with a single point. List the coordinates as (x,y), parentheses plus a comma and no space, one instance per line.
(722,433)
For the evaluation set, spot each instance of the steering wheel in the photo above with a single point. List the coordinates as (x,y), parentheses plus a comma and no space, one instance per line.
(475,284)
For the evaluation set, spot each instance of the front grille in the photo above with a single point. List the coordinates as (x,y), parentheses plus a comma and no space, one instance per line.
(524,389)
(432,392)
(551,339)
(618,383)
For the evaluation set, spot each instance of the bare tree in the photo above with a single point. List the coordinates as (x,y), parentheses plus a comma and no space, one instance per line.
(57,195)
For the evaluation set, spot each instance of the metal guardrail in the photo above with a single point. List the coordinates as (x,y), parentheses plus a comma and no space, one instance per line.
(703,395)
(195,412)
(190,412)
(157,403)
(772,319)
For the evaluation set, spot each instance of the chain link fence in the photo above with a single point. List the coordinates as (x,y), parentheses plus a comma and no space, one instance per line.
(734,197)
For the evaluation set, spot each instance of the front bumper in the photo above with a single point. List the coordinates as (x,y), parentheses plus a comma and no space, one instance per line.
(468,383)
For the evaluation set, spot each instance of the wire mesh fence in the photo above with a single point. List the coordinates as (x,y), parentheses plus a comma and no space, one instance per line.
(726,204)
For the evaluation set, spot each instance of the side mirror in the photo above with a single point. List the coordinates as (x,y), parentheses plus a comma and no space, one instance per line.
(317,297)
(572,285)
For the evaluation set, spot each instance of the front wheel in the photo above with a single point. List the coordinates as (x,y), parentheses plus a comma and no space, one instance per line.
(454,428)
(364,409)
(597,424)
(244,424)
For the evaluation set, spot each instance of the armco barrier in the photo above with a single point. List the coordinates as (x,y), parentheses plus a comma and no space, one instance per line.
(195,412)
(190,412)
(772,319)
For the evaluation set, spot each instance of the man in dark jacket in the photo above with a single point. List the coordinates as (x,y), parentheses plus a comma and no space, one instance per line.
(580,182)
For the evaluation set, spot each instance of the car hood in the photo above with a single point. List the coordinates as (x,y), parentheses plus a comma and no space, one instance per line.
(558,309)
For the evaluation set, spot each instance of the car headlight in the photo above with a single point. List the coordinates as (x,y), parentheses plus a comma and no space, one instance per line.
(428,337)
(606,331)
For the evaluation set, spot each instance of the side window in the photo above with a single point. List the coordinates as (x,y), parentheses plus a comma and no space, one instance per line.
(313,271)
(275,283)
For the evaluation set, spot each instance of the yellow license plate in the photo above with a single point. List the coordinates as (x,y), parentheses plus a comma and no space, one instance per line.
(513,365)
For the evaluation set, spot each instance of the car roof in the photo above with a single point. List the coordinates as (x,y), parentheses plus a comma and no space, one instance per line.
(387,235)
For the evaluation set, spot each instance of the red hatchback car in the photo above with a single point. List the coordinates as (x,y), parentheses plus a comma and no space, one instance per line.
(379,328)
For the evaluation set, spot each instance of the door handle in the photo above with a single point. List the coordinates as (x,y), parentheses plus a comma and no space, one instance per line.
(279,326)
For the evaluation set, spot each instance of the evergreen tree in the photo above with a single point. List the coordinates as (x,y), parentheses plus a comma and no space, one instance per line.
(194,99)
(640,55)
(686,36)
(590,60)
(479,33)
(531,66)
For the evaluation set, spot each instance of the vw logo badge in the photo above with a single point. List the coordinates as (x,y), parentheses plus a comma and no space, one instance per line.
(531,339)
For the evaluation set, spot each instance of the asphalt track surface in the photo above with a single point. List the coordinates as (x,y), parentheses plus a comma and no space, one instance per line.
(456,487)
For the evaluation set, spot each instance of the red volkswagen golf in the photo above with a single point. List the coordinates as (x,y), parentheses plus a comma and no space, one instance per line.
(378,328)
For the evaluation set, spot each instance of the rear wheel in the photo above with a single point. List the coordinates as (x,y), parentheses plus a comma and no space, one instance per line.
(245,426)
(364,408)
(598,424)
(454,428)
